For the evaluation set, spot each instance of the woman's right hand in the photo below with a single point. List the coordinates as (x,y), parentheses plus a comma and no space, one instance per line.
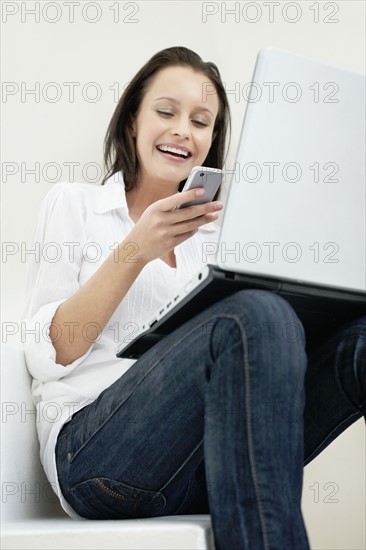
(161,227)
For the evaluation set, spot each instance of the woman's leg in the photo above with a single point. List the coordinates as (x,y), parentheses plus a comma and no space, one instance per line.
(225,391)
(335,386)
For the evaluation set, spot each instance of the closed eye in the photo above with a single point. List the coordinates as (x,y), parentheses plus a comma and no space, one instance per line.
(200,123)
(168,114)
(165,113)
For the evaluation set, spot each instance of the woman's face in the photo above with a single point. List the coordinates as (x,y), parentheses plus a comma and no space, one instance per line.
(174,124)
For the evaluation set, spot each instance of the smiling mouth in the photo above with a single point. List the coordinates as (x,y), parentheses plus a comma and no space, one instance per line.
(174,151)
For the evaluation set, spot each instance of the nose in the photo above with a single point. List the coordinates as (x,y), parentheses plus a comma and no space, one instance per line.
(181,127)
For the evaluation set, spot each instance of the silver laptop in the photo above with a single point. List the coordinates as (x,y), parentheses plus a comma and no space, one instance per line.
(294,219)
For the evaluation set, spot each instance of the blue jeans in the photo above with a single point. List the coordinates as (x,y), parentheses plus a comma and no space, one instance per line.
(210,420)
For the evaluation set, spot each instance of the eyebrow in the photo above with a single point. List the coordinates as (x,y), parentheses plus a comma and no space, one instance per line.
(173,100)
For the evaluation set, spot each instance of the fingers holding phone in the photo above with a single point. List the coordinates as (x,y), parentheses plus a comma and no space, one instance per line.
(170,221)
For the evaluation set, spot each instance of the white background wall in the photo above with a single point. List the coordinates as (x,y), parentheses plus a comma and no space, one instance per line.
(98,46)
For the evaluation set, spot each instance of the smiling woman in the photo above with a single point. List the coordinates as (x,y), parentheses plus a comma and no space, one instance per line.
(175,85)
(186,428)
(173,134)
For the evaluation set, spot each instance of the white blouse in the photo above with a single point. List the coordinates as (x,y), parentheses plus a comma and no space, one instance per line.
(79,225)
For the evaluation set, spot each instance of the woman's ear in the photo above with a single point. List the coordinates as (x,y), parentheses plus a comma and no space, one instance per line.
(213,137)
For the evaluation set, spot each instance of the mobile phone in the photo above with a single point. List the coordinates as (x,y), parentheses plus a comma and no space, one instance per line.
(202,176)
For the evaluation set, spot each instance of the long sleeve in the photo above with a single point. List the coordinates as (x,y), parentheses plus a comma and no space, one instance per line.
(53,276)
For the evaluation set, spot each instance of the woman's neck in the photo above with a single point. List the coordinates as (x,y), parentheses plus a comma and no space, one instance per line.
(144,194)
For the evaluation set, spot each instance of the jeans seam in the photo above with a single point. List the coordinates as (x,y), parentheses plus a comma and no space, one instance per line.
(249,427)
(181,466)
(105,489)
(184,499)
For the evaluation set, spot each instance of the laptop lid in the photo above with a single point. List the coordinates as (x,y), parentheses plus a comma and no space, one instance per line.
(296,204)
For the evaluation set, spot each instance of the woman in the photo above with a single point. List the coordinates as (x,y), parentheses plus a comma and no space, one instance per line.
(211,418)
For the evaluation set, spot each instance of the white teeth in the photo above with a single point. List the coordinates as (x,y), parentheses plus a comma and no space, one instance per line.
(169,149)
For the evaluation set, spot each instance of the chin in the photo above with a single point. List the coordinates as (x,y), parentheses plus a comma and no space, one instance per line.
(175,173)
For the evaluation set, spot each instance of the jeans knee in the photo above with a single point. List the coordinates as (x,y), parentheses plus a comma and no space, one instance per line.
(256,334)
(265,324)
(264,302)
(267,315)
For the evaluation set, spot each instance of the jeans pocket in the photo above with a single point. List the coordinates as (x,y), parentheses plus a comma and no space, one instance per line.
(104,498)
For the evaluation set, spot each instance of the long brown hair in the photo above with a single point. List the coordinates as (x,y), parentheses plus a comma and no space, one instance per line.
(119,144)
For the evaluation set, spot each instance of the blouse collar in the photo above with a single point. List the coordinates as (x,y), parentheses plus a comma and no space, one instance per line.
(112,195)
